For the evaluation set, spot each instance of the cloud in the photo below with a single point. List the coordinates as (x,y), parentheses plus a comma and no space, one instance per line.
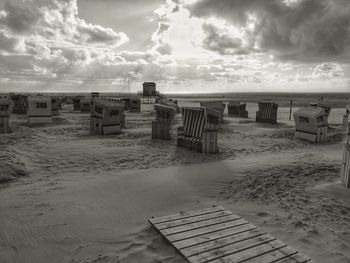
(328,71)
(298,28)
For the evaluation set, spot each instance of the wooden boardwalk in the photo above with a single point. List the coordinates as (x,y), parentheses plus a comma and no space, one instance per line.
(218,235)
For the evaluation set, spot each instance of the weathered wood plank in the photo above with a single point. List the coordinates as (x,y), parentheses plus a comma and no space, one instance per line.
(297,258)
(220,242)
(248,254)
(202,231)
(227,250)
(182,244)
(275,256)
(184,215)
(199,218)
(198,225)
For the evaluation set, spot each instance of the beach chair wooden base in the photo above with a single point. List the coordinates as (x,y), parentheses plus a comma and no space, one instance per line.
(4,125)
(39,120)
(266,120)
(320,136)
(97,126)
(161,130)
(218,235)
(240,114)
(345,167)
(206,144)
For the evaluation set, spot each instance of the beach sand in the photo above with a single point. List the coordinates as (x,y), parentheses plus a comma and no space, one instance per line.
(70,196)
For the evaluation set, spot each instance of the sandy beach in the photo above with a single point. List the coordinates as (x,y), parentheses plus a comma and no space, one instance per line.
(71,196)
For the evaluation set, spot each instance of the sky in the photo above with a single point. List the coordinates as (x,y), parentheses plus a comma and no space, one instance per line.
(182,45)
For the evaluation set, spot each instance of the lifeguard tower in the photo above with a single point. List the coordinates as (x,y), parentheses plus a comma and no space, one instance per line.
(149,92)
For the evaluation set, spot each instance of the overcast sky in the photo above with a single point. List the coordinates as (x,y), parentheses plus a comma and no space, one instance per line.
(182,45)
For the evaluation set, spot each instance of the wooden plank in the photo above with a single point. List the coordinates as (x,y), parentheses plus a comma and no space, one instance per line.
(182,244)
(247,254)
(183,215)
(275,256)
(297,258)
(199,218)
(206,230)
(234,248)
(199,225)
(221,242)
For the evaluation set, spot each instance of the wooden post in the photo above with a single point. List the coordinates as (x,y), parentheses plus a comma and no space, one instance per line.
(345,166)
(291,109)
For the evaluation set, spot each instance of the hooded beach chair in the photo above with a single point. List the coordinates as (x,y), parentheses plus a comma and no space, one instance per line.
(39,110)
(200,129)
(20,103)
(107,117)
(6,108)
(237,109)
(267,112)
(311,124)
(162,125)
(216,105)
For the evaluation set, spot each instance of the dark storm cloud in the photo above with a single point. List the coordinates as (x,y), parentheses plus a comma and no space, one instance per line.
(222,43)
(290,28)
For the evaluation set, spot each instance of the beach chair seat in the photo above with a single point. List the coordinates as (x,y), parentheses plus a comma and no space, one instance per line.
(199,130)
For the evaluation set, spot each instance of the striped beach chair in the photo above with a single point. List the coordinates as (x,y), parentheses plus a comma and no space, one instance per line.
(162,125)
(107,117)
(345,166)
(237,109)
(199,130)
(6,108)
(267,112)
(20,103)
(39,110)
(216,105)
(311,124)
